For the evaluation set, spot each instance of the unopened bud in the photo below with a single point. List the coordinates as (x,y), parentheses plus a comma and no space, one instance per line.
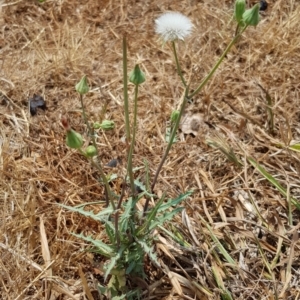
(251,16)
(107,125)
(96,125)
(137,76)
(74,139)
(82,86)
(239,9)
(90,151)
(174,115)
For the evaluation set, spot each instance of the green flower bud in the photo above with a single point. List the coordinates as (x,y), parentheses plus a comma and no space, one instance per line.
(137,76)
(74,139)
(174,115)
(251,16)
(107,125)
(96,125)
(239,9)
(90,151)
(82,86)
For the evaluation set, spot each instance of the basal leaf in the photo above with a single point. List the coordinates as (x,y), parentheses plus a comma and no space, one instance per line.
(113,262)
(160,220)
(103,248)
(88,213)
(174,202)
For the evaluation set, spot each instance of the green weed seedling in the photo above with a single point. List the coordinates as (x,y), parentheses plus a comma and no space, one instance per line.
(129,231)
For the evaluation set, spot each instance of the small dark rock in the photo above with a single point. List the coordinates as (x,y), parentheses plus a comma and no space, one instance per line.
(113,163)
(36,102)
(263,5)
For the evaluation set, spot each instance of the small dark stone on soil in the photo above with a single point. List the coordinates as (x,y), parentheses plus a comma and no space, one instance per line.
(263,5)
(36,102)
(113,163)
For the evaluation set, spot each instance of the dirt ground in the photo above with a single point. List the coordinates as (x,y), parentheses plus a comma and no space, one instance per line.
(45,48)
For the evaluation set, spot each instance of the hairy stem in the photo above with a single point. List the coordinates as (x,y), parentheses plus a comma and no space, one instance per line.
(210,74)
(172,137)
(177,64)
(126,111)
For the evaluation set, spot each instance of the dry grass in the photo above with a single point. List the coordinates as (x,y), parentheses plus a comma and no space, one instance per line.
(45,49)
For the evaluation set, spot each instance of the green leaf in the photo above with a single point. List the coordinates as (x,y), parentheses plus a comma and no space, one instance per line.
(104,249)
(110,231)
(144,228)
(218,243)
(174,202)
(225,294)
(166,217)
(147,171)
(149,251)
(295,147)
(131,267)
(126,215)
(113,262)
(174,237)
(143,188)
(272,180)
(168,135)
(98,217)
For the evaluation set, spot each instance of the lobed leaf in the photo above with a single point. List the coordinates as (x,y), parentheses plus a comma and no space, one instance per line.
(104,249)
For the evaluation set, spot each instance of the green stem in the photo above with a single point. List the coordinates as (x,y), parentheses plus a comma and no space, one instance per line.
(125,84)
(136,90)
(84,115)
(172,137)
(97,164)
(126,111)
(206,79)
(177,64)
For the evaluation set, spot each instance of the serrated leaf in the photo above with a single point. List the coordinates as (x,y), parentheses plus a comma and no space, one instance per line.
(144,228)
(166,217)
(87,213)
(113,262)
(174,202)
(104,249)
(126,215)
(110,231)
(143,188)
(148,250)
(131,267)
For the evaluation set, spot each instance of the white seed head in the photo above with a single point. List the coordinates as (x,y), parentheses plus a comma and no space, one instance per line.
(173,26)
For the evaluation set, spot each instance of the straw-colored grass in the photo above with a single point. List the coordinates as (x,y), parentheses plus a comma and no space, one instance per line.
(239,232)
